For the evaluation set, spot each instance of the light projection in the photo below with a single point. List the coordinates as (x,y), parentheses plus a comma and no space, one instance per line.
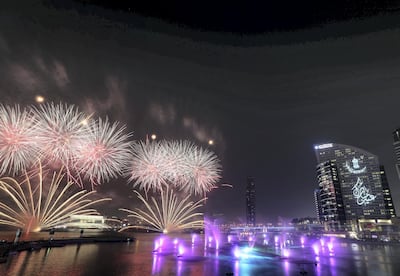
(360,192)
(355,168)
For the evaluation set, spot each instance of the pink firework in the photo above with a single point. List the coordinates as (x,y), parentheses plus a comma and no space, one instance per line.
(202,171)
(18,144)
(62,131)
(150,166)
(176,163)
(104,153)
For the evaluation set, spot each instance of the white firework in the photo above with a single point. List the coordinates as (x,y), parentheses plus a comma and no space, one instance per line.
(61,132)
(168,213)
(38,205)
(105,152)
(202,172)
(150,166)
(18,143)
(180,169)
(179,164)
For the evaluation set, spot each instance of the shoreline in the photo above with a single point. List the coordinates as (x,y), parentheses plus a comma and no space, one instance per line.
(10,248)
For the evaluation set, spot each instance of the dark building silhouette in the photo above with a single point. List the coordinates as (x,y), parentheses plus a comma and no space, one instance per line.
(251,201)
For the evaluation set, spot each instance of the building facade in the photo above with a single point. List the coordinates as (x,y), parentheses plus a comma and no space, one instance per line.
(251,201)
(396,145)
(352,188)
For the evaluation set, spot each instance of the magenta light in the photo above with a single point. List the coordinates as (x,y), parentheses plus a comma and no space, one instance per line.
(285,253)
(316,249)
(193,238)
(181,250)
(236,252)
(237,270)
(229,238)
(156,245)
(302,240)
(330,246)
(322,242)
(175,241)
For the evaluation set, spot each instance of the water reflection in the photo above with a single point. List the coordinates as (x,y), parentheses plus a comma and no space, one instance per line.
(187,255)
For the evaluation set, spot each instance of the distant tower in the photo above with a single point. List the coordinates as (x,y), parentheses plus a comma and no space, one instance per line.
(387,196)
(251,201)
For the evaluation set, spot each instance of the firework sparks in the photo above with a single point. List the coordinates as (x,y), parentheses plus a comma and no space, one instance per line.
(169,213)
(105,153)
(31,209)
(61,136)
(150,165)
(177,163)
(18,145)
(203,170)
(61,133)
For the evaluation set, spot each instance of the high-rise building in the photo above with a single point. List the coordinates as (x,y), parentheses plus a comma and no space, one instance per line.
(317,201)
(352,188)
(251,201)
(387,197)
(396,144)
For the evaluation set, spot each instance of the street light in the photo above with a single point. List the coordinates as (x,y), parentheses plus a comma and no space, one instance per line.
(211,142)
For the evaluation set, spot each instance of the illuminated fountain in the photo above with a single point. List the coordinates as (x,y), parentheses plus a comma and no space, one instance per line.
(212,237)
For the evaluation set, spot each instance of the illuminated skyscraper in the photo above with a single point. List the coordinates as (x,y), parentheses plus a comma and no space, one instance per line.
(251,201)
(396,144)
(352,188)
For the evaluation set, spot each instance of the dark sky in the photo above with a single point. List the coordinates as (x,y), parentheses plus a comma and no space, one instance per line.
(265,86)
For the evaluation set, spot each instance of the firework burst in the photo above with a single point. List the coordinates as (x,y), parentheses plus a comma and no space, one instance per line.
(150,165)
(202,171)
(169,213)
(62,131)
(180,164)
(105,152)
(18,144)
(29,207)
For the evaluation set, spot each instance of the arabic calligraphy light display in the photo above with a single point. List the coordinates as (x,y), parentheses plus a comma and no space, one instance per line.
(360,192)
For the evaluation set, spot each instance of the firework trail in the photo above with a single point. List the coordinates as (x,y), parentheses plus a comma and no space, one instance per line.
(105,152)
(27,206)
(18,144)
(167,214)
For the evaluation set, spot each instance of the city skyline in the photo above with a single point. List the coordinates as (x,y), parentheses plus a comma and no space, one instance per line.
(263,100)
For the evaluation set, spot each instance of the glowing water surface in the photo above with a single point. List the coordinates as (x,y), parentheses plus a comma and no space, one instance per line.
(188,255)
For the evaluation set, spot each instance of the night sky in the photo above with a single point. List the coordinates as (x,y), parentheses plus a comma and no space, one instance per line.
(266,83)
